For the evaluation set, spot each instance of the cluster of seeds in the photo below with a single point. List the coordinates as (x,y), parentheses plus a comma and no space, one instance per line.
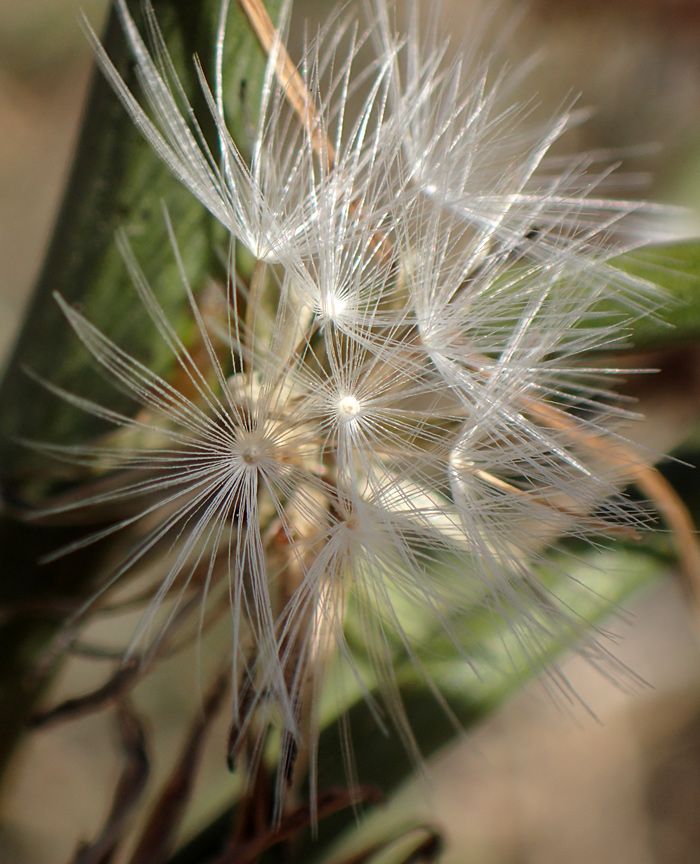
(397,413)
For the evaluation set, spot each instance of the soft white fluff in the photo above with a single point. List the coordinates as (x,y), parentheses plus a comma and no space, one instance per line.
(389,426)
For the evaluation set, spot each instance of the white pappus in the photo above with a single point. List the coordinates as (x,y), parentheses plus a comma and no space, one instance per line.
(398,415)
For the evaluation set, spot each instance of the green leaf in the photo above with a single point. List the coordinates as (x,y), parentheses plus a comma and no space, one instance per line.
(675,268)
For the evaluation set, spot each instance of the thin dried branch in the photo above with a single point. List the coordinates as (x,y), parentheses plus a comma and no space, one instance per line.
(107,694)
(648,480)
(330,802)
(127,795)
(158,836)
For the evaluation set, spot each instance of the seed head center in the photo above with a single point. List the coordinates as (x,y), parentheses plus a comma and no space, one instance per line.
(252,448)
(252,454)
(333,307)
(348,407)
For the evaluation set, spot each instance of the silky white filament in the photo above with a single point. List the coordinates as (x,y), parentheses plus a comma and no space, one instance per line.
(404,418)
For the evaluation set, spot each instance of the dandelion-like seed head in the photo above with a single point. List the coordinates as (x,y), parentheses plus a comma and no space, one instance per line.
(396,417)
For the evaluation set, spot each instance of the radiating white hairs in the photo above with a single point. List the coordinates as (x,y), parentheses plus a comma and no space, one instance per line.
(398,418)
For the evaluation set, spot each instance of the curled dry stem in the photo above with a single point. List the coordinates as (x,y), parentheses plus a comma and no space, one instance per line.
(646,478)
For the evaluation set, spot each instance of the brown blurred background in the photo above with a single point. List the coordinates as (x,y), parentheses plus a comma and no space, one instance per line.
(533,785)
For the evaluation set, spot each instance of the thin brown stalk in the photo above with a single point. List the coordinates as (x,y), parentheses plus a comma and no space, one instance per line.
(158,837)
(647,479)
(289,78)
(127,795)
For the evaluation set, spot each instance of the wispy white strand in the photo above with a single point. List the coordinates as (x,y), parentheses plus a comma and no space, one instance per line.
(369,436)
